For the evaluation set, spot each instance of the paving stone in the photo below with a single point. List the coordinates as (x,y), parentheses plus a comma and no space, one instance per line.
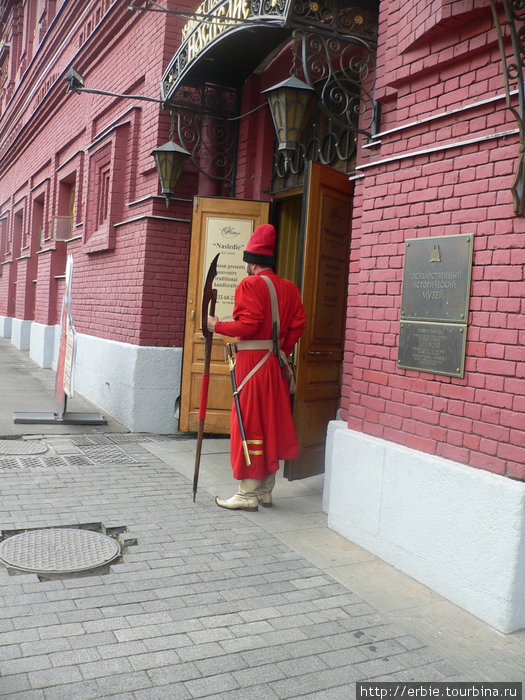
(150,660)
(409,642)
(199,651)
(28,695)
(206,604)
(74,657)
(166,692)
(306,664)
(126,682)
(343,657)
(92,639)
(45,646)
(320,680)
(105,667)
(83,690)
(167,641)
(211,685)
(290,621)
(18,636)
(342,692)
(367,670)
(6,626)
(346,640)
(11,651)
(211,635)
(389,647)
(220,664)
(173,674)
(54,676)
(35,621)
(67,630)
(257,692)
(23,665)
(14,684)
(258,675)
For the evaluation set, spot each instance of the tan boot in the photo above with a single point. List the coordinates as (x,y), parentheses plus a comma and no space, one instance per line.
(264,492)
(244,499)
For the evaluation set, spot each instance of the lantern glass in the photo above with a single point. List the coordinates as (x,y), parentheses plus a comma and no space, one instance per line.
(290,103)
(169,160)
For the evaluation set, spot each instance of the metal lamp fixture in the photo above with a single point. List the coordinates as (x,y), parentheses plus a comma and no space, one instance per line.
(290,103)
(169,159)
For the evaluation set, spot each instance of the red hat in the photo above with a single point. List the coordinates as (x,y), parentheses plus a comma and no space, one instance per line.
(260,248)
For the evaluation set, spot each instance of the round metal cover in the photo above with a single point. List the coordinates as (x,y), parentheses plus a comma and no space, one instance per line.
(22,447)
(58,551)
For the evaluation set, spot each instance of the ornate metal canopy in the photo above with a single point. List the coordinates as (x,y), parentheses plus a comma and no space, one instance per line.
(229,39)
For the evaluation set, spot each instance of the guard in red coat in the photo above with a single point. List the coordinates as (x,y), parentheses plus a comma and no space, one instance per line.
(261,371)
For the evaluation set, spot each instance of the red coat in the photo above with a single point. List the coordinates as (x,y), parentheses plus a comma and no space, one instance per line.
(265,398)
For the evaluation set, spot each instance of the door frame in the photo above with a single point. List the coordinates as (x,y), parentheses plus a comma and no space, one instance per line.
(334,187)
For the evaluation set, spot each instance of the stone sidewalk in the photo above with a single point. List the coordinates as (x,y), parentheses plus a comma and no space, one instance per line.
(211,603)
(204,602)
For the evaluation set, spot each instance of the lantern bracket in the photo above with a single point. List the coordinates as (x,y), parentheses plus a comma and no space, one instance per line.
(512,27)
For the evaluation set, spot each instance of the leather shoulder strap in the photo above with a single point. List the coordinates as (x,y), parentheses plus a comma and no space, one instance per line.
(274,302)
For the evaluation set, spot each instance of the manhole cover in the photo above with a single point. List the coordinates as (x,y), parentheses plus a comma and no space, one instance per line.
(58,551)
(22,447)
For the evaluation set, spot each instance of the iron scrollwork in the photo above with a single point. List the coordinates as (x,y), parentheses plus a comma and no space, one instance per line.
(342,72)
(341,69)
(513,76)
(205,128)
(358,19)
(337,40)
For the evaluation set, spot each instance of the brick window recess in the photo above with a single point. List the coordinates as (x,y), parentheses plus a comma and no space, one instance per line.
(38,222)
(7,232)
(4,72)
(18,233)
(44,16)
(107,178)
(4,222)
(62,223)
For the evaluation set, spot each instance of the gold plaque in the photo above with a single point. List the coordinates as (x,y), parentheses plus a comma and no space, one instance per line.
(435,304)
(436,278)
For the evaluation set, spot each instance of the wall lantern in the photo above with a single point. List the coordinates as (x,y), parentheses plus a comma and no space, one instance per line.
(169,159)
(290,103)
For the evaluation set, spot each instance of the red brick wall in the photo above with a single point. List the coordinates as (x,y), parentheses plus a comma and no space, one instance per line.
(477,420)
(130,279)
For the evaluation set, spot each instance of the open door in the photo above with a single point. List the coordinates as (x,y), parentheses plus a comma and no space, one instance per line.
(219,226)
(325,250)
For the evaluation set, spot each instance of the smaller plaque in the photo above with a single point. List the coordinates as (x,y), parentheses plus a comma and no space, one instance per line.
(432,347)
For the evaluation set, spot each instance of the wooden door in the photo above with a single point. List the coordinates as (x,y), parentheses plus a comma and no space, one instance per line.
(218,226)
(325,251)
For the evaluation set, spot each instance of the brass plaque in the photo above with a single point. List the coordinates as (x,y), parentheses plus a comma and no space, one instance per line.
(432,347)
(436,278)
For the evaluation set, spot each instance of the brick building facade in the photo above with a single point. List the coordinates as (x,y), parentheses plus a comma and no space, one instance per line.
(79,168)
(425,469)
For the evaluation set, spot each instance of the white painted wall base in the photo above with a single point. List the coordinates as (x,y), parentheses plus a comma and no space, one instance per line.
(21,334)
(6,323)
(136,385)
(42,344)
(458,530)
